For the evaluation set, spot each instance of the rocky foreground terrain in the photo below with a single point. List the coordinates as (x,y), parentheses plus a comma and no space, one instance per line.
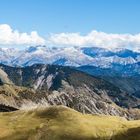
(44,85)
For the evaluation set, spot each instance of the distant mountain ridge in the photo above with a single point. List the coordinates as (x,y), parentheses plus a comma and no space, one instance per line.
(69,56)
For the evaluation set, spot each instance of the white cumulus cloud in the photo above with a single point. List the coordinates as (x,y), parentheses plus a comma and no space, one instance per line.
(8,36)
(95,38)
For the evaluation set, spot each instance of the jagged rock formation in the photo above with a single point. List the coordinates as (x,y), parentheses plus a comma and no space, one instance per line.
(58,85)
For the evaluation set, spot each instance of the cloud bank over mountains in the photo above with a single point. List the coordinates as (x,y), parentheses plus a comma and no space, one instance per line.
(8,36)
(98,39)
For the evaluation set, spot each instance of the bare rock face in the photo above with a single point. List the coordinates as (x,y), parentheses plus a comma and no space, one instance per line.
(57,85)
(4,78)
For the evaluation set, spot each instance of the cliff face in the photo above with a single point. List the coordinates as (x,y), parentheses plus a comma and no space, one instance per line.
(43,85)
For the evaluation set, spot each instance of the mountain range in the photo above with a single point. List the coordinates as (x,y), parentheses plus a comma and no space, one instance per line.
(70,56)
(40,87)
(44,85)
(119,66)
(52,73)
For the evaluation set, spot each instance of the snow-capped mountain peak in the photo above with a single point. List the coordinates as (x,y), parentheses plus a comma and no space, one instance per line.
(69,56)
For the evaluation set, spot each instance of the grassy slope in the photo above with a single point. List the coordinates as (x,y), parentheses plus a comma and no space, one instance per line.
(61,123)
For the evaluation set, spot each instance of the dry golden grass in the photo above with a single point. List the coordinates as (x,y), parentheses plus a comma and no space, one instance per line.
(61,123)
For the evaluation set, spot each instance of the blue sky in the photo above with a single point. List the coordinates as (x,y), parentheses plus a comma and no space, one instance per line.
(103,23)
(55,16)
